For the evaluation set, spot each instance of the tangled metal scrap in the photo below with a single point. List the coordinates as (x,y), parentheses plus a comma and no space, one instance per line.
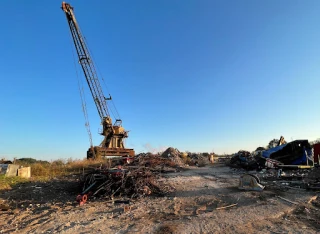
(119,181)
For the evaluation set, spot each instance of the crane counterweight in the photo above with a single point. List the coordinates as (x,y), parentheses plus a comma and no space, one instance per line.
(114,134)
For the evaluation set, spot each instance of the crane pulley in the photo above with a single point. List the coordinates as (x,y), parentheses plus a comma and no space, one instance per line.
(114,134)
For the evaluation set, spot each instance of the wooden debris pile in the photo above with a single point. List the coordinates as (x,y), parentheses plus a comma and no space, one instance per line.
(174,155)
(122,182)
(155,161)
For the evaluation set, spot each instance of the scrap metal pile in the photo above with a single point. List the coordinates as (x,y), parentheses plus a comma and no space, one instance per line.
(295,154)
(157,162)
(301,179)
(173,155)
(140,178)
(244,159)
(198,159)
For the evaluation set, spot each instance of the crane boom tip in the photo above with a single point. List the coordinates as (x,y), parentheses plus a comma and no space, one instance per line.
(66,6)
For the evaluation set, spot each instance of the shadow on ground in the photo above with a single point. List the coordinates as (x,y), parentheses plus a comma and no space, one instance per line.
(56,191)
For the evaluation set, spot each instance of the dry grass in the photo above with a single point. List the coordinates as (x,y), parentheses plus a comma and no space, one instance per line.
(60,167)
(8,182)
(43,171)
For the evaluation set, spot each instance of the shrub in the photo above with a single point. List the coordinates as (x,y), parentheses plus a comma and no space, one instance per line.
(38,169)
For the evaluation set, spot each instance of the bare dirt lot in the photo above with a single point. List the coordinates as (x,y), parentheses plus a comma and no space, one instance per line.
(191,208)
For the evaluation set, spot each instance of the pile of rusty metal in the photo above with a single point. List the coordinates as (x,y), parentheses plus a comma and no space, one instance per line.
(244,159)
(281,179)
(155,162)
(174,155)
(198,159)
(122,182)
(296,154)
(284,179)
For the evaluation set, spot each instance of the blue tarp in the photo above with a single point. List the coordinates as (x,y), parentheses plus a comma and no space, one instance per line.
(293,153)
(267,153)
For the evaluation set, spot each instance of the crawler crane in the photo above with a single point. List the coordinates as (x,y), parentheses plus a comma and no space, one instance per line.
(114,134)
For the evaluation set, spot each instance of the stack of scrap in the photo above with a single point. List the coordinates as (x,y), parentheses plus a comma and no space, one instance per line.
(199,159)
(313,179)
(120,182)
(174,155)
(244,159)
(156,162)
(297,152)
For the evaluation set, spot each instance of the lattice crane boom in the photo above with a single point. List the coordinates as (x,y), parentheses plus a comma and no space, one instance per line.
(114,134)
(86,62)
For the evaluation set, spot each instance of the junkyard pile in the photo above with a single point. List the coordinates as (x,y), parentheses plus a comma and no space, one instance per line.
(120,181)
(130,181)
(292,154)
(286,166)
(173,155)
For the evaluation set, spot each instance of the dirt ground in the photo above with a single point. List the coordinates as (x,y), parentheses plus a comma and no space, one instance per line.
(191,208)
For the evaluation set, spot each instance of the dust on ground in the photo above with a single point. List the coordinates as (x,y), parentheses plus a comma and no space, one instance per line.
(191,208)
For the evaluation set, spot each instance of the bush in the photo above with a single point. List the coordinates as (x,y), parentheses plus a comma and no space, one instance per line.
(59,162)
(38,169)
(26,160)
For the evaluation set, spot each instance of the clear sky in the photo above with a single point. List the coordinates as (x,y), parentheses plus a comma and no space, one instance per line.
(196,75)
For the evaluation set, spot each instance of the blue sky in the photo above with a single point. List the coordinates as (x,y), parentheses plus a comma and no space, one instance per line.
(196,75)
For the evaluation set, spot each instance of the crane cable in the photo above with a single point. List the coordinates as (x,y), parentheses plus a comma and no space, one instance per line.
(117,115)
(96,65)
(82,96)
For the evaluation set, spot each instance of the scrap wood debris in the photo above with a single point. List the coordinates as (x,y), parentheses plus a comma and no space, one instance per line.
(225,207)
(173,158)
(243,159)
(138,179)
(120,181)
(287,200)
(174,155)
(154,162)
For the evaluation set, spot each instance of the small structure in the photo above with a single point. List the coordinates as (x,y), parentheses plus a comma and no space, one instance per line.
(24,172)
(10,170)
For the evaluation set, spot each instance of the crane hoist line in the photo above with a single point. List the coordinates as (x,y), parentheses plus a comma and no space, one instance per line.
(114,134)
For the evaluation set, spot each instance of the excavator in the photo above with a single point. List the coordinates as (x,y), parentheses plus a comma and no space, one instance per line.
(114,134)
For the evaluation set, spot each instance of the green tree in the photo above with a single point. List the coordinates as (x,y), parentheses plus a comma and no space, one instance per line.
(273,143)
